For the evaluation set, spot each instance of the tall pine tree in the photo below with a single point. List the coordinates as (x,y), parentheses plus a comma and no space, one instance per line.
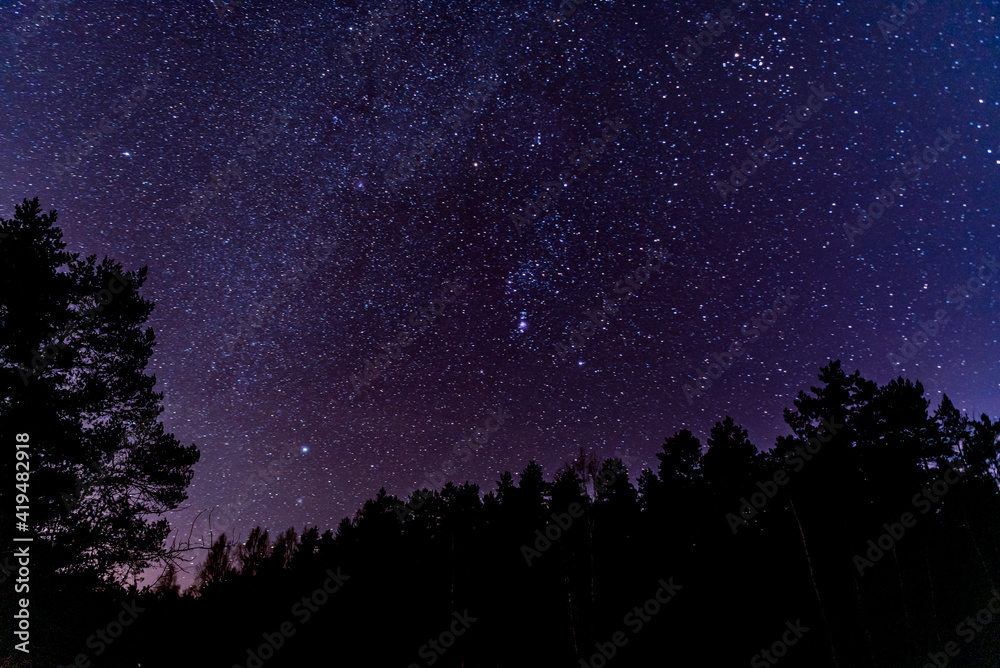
(72,355)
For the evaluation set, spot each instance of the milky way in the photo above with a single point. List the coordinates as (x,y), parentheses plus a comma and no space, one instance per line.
(302,179)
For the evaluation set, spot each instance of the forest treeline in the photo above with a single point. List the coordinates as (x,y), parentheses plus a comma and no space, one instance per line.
(866,538)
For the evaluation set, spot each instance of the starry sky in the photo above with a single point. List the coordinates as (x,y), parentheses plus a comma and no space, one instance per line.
(254,156)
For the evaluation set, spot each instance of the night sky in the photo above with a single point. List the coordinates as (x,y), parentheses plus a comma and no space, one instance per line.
(313,245)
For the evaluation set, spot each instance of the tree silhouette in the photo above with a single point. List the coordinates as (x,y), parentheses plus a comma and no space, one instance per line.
(680,462)
(218,567)
(254,553)
(283,551)
(166,586)
(73,353)
(731,463)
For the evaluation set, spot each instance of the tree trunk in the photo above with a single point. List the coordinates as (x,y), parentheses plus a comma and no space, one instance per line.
(902,593)
(930,587)
(812,576)
(864,619)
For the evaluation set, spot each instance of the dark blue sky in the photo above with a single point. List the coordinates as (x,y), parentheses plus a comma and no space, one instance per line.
(320,244)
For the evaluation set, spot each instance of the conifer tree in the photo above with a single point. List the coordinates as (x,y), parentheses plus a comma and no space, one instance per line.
(72,357)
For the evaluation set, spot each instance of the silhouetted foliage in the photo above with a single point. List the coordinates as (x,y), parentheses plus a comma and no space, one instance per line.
(810,531)
(858,457)
(72,354)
